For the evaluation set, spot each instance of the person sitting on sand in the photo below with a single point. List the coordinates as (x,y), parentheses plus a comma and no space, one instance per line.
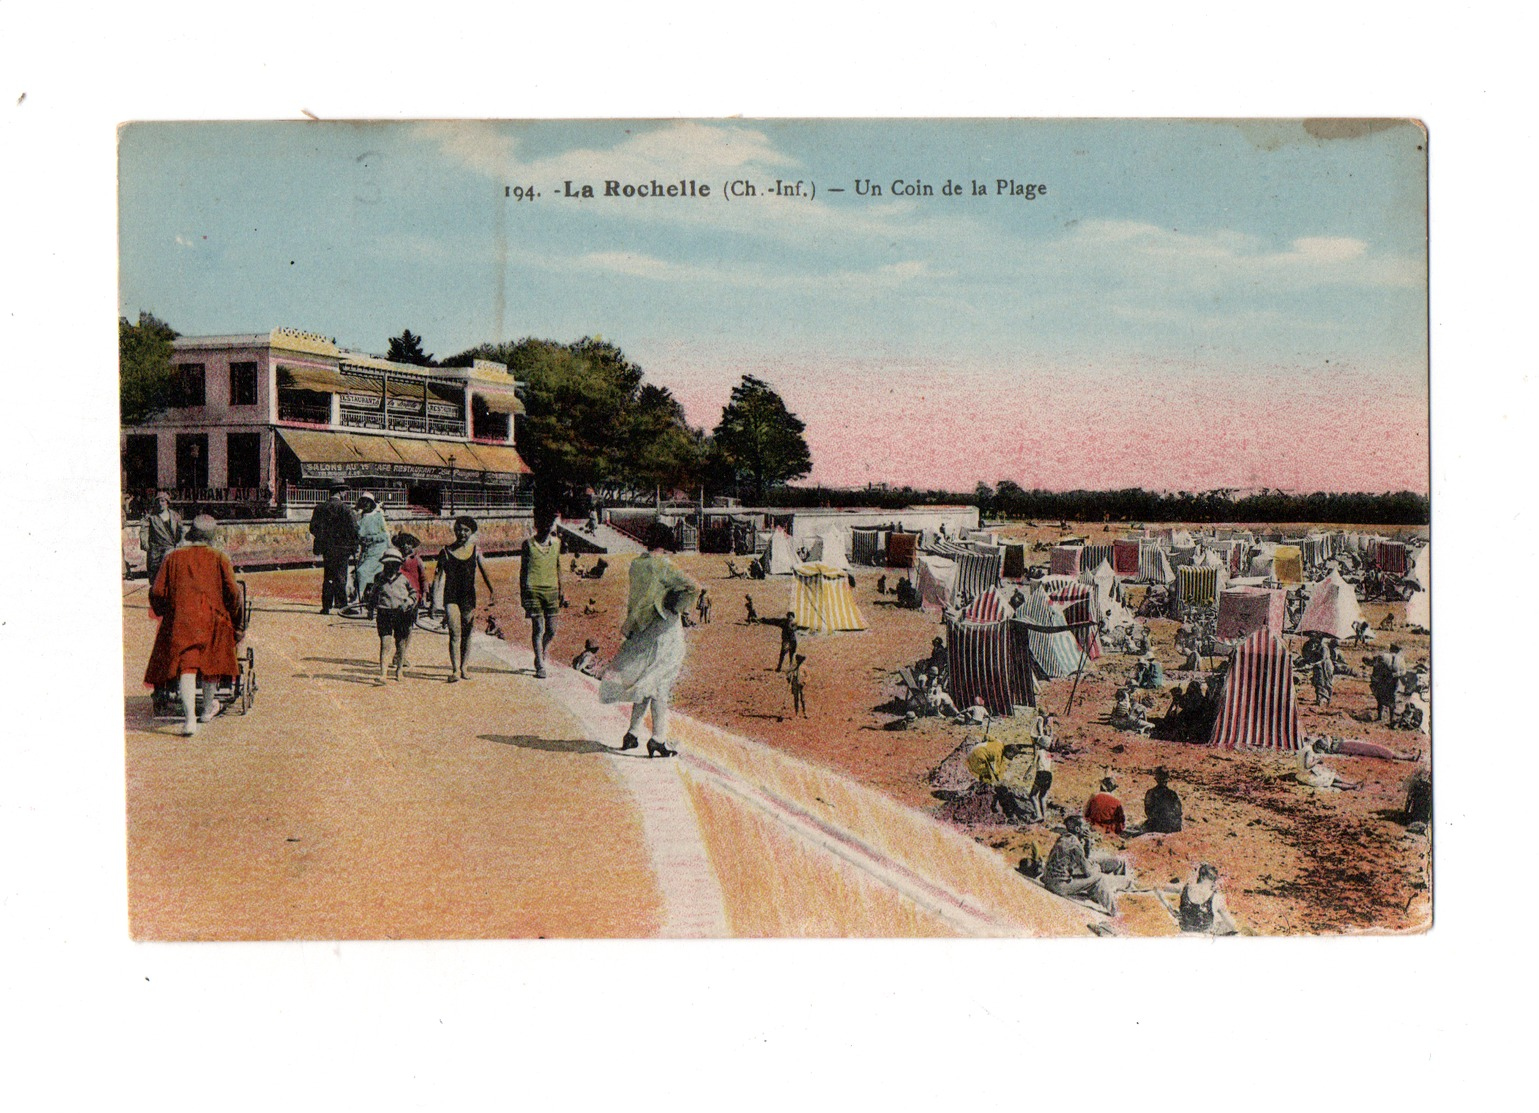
(881,584)
(975,716)
(937,699)
(733,572)
(587,661)
(1202,907)
(1104,811)
(1149,673)
(1388,623)
(1314,773)
(1162,806)
(1138,638)
(1074,869)
(1129,714)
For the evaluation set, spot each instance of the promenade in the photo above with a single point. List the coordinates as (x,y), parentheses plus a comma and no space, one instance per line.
(502,808)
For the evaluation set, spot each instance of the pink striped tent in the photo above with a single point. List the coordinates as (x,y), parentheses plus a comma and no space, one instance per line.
(1125,556)
(981,669)
(1257,708)
(991,606)
(1244,610)
(1064,560)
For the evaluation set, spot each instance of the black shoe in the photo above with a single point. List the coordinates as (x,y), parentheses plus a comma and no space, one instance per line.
(629,742)
(657,749)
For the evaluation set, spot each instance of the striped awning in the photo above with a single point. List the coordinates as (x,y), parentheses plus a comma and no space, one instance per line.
(318,379)
(500,402)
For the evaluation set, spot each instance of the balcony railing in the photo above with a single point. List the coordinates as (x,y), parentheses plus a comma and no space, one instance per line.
(309,414)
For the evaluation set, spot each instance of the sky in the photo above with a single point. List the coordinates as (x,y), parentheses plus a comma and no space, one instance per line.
(1187,305)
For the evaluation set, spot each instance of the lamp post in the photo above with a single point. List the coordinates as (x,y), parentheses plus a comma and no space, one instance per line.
(451,484)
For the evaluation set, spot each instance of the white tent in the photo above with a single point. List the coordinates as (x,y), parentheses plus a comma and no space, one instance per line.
(778,559)
(1332,608)
(830,548)
(1109,600)
(1418,609)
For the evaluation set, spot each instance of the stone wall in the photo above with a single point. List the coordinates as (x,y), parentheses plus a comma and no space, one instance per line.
(253,544)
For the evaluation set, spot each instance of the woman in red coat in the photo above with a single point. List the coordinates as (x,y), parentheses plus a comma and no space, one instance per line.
(199,605)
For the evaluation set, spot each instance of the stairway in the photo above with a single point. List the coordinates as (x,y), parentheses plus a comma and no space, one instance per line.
(604,539)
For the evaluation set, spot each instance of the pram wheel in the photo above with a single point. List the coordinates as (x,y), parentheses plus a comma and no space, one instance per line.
(247,681)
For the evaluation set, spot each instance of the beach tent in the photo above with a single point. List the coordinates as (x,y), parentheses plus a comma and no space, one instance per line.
(1332,608)
(1257,707)
(823,601)
(1054,654)
(1077,600)
(980,536)
(1199,586)
(1287,565)
(902,548)
(1183,556)
(1093,555)
(1391,557)
(981,669)
(1110,602)
(1064,560)
(1244,610)
(868,546)
(1153,564)
(778,559)
(991,606)
(829,548)
(1015,560)
(1418,609)
(936,579)
(978,572)
(1125,556)
(1181,539)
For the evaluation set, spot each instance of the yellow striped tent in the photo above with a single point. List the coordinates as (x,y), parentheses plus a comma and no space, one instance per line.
(823,601)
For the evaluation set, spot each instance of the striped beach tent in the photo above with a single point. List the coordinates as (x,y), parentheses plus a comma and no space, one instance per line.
(1244,610)
(978,572)
(902,548)
(1198,585)
(1052,655)
(1183,556)
(990,606)
(936,579)
(1287,565)
(1077,600)
(1094,555)
(981,667)
(1125,556)
(1391,557)
(1332,608)
(1257,707)
(823,601)
(867,546)
(1015,560)
(1153,564)
(1064,560)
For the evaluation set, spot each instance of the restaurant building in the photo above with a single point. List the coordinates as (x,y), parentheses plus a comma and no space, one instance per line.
(267,422)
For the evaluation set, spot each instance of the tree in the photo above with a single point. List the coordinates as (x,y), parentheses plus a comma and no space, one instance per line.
(759,440)
(145,376)
(407,348)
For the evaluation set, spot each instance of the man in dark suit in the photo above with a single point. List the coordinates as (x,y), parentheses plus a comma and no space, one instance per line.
(336,539)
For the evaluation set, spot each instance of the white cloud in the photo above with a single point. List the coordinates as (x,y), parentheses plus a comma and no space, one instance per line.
(637,265)
(183,241)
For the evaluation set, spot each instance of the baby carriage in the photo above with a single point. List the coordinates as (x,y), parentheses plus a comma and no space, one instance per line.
(238,690)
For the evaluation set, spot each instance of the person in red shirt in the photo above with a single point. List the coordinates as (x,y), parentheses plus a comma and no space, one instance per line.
(1104,810)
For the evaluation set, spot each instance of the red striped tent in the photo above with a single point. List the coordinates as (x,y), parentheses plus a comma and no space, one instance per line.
(823,601)
(982,667)
(978,572)
(1064,560)
(1125,557)
(902,548)
(1391,557)
(1257,708)
(1198,585)
(991,606)
(1077,601)
(1244,610)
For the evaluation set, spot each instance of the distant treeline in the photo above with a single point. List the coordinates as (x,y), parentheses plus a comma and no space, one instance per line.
(1007,500)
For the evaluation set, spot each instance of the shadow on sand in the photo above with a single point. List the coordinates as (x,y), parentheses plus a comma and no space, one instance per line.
(548,745)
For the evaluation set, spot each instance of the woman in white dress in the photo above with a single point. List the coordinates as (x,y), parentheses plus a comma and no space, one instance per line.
(643,672)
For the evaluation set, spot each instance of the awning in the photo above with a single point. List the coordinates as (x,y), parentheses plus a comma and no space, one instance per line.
(310,378)
(314,447)
(337,454)
(420,453)
(500,402)
(501,459)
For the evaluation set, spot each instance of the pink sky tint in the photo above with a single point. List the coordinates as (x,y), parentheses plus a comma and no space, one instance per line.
(1161,427)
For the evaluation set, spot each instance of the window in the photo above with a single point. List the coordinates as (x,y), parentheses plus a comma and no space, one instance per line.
(243,385)
(189,384)
(141,466)
(244,460)
(191,460)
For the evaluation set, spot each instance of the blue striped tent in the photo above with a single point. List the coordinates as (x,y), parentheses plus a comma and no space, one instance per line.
(1052,655)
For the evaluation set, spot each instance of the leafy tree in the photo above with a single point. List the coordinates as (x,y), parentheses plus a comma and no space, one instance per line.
(407,348)
(145,376)
(759,440)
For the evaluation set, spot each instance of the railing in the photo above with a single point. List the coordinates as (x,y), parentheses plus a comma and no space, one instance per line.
(488,500)
(405,423)
(299,411)
(310,496)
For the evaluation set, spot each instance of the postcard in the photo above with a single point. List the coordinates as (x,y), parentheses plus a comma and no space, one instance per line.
(775,528)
